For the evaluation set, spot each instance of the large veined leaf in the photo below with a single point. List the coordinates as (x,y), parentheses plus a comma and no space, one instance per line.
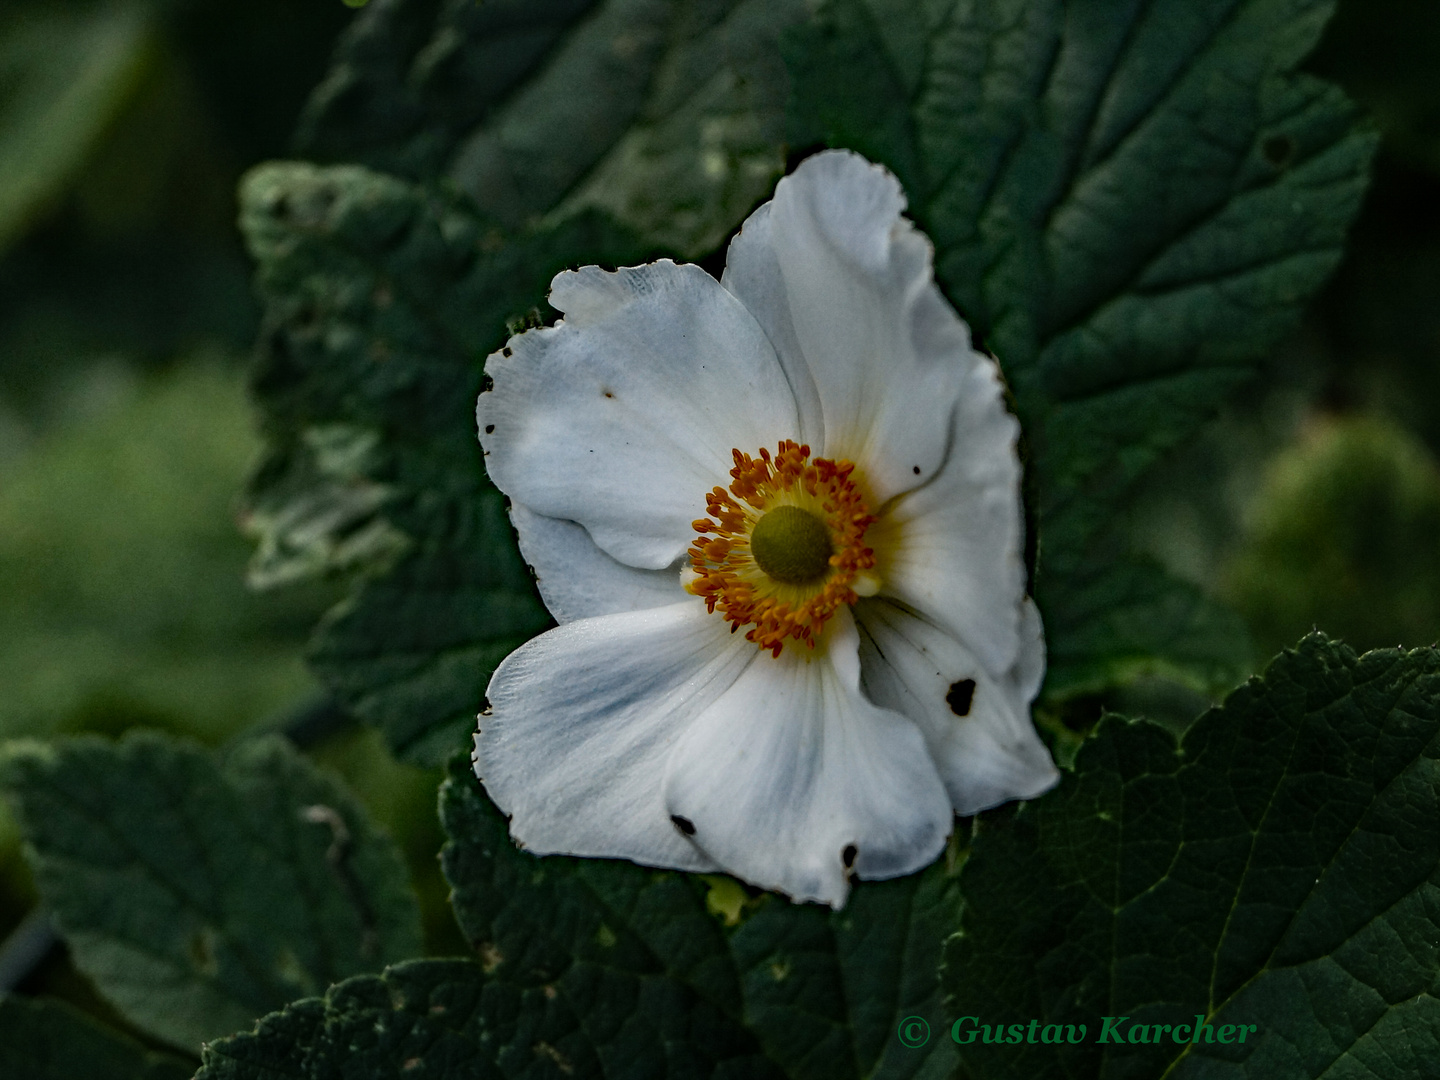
(668,114)
(1278,869)
(456,1020)
(199,891)
(824,992)
(383,300)
(1131,203)
(47,1040)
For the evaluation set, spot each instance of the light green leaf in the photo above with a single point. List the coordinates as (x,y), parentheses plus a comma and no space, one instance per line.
(824,992)
(199,891)
(1131,204)
(48,1040)
(668,114)
(1279,868)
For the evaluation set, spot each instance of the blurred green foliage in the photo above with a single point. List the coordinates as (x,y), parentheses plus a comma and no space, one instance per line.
(1346,535)
(67,76)
(125,434)
(121,567)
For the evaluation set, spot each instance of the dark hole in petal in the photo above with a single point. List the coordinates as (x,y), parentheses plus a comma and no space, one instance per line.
(489,429)
(961,697)
(486,384)
(684,824)
(506,351)
(916,469)
(485,706)
(1278,150)
(848,855)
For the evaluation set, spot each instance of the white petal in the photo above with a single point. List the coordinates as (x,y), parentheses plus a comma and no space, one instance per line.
(579,581)
(951,548)
(990,755)
(582,720)
(833,272)
(792,771)
(623,415)
(752,273)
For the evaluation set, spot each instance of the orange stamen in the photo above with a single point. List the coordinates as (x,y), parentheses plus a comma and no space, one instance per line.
(729,578)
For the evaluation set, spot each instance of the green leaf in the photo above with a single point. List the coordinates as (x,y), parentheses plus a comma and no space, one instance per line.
(1129,617)
(668,114)
(48,1040)
(1131,204)
(383,300)
(824,992)
(199,891)
(64,77)
(1279,868)
(451,1018)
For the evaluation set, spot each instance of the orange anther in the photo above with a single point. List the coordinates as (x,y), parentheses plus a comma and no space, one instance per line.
(729,578)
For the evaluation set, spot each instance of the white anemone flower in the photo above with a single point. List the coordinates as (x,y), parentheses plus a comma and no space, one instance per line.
(777,519)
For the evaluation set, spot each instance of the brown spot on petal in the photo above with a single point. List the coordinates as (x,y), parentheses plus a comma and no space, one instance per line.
(961,697)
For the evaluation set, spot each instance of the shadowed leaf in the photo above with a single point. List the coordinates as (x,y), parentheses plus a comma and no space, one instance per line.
(198,890)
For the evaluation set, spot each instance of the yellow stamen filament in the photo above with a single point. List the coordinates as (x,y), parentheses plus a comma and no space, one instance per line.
(727,574)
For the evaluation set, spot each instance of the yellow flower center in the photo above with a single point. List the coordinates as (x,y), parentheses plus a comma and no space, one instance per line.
(783,548)
(792,545)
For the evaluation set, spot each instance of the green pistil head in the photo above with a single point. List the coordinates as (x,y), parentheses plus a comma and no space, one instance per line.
(792,546)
